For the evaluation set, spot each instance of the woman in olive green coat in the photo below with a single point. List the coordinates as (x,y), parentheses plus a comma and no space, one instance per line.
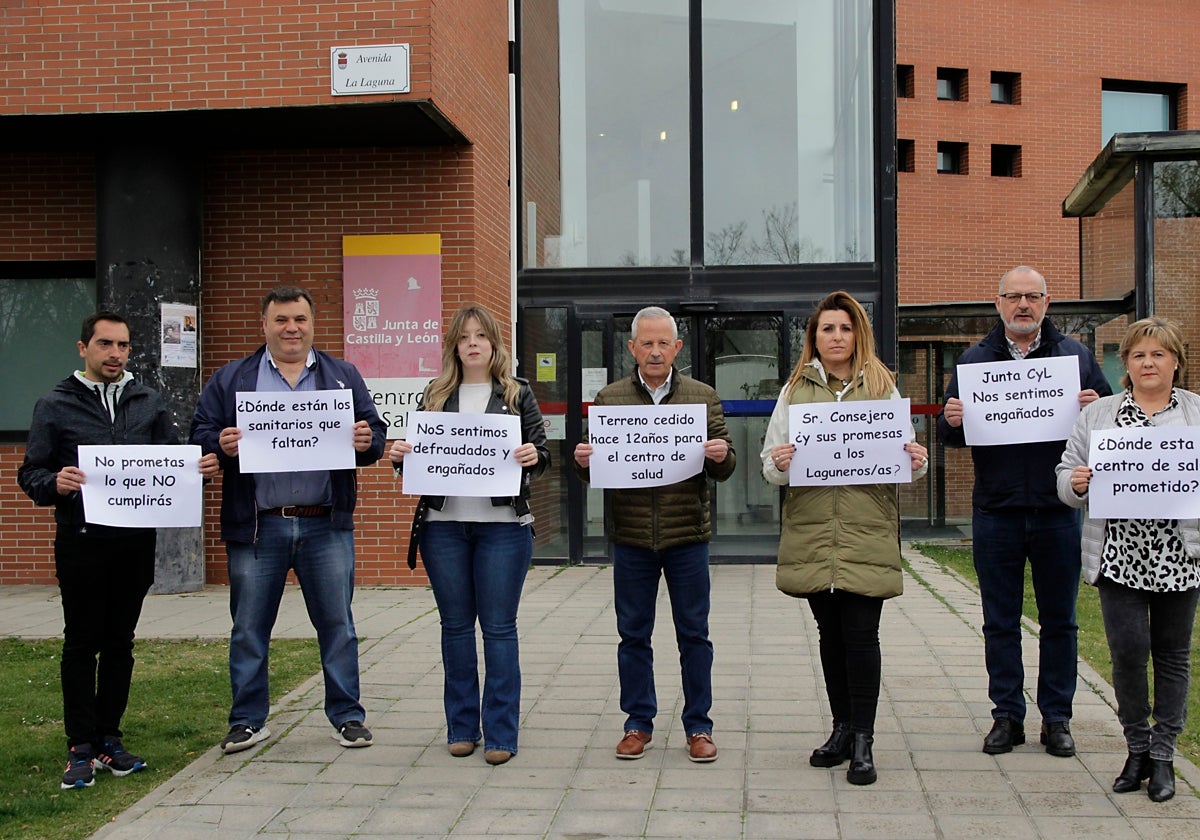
(839,546)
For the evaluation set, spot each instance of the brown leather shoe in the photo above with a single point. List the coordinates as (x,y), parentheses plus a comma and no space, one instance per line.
(701,748)
(634,744)
(496,756)
(459,749)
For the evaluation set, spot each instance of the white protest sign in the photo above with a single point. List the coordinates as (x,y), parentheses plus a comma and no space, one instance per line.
(142,486)
(646,445)
(1145,472)
(1019,401)
(857,442)
(295,431)
(462,454)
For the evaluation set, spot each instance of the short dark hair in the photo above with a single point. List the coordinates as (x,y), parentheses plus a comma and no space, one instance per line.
(88,329)
(287,294)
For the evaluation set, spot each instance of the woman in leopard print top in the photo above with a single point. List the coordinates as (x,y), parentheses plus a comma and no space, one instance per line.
(1146,570)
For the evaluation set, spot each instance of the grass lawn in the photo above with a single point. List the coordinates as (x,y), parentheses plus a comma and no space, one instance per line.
(1093,647)
(178,709)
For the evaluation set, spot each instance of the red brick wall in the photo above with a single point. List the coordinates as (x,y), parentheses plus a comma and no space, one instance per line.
(83,57)
(959,233)
(270,216)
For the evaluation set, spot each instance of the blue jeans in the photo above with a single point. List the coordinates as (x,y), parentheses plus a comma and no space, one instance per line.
(477,570)
(1003,540)
(635,590)
(1142,626)
(323,559)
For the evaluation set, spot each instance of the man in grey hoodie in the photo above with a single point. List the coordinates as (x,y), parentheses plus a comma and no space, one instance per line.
(103,572)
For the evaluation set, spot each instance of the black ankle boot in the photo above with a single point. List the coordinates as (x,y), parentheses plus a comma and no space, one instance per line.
(1136,769)
(862,763)
(1161,786)
(834,751)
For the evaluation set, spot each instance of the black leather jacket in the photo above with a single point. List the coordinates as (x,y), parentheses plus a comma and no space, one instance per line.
(532,431)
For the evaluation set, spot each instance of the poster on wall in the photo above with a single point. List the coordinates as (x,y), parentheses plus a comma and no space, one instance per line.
(178,334)
(392,318)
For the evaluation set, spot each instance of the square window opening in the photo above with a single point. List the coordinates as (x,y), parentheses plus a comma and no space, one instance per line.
(1006,88)
(905,81)
(952,84)
(1006,161)
(905,156)
(952,158)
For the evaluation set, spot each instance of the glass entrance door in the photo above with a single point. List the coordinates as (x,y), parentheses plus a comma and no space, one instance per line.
(739,355)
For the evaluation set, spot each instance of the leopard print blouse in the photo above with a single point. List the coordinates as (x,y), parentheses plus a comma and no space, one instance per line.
(1146,554)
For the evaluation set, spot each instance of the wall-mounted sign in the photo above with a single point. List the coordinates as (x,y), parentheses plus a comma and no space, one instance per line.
(354,71)
(392,318)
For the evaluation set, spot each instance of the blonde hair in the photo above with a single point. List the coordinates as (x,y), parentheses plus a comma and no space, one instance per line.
(1166,333)
(876,379)
(447,382)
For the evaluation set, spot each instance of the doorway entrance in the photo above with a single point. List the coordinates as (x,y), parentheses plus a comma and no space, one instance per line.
(744,356)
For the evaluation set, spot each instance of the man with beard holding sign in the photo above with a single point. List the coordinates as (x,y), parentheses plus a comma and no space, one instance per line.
(1017,516)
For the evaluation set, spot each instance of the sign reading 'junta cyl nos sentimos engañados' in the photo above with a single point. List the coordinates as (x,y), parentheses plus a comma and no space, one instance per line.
(355,71)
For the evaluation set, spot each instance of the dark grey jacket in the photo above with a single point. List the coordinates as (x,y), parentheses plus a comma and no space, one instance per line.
(72,415)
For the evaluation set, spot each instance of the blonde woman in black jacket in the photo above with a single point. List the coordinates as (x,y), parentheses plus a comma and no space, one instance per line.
(477,550)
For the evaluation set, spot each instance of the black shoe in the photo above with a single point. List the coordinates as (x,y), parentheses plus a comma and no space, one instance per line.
(113,758)
(1161,786)
(352,733)
(1136,769)
(80,772)
(834,751)
(1057,738)
(243,737)
(862,763)
(1005,735)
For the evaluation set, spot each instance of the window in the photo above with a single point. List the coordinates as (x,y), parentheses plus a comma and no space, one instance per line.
(806,194)
(1006,161)
(41,307)
(609,162)
(1006,88)
(905,83)
(1136,106)
(905,156)
(951,84)
(952,158)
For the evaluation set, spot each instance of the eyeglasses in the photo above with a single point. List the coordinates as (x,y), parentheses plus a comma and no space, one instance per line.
(1015,297)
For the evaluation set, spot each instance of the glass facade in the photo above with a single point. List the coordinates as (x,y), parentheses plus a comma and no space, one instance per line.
(786,153)
(787,124)
(728,161)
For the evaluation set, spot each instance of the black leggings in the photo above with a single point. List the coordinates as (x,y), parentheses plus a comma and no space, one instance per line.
(850,660)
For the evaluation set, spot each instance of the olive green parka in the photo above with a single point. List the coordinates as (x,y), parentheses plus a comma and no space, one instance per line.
(843,537)
(677,514)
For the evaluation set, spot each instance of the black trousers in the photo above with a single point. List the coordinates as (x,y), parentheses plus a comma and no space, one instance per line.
(848,627)
(103,583)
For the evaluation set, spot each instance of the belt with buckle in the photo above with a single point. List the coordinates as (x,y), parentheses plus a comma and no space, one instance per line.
(293,511)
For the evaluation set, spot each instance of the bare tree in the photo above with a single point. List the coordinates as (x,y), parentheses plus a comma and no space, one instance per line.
(728,245)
